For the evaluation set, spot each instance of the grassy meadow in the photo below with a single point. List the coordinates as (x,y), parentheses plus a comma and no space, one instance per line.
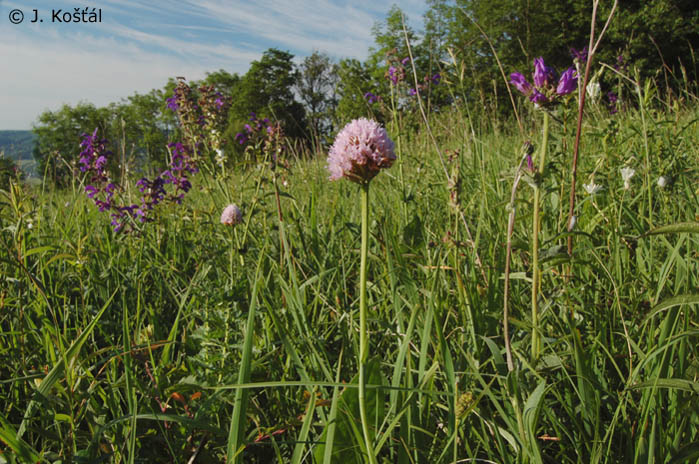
(189,341)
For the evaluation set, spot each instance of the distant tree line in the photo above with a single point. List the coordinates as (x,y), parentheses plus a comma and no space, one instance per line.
(315,98)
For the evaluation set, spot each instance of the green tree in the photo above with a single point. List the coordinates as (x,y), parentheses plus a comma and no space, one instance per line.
(223,82)
(355,79)
(658,37)
(58,138)
(142,123)
(316,85)
(267,90)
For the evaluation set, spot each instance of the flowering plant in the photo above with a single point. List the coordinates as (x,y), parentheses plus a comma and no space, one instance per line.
(548,86)
(360,150)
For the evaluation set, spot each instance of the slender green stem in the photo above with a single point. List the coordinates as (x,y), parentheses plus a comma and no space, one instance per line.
(363,345)
(536,275)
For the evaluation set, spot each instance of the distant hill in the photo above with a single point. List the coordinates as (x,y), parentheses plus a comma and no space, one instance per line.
(17,145)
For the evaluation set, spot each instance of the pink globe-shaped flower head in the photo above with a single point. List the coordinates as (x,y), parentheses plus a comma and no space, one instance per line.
(231,215)
(360,150)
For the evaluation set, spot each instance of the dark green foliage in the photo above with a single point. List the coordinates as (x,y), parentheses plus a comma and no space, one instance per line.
(58,135)
(9,170)
(17,145)
(146,128)
(267,90)
(223,82)
(354,80)
(316,84)
(660,37)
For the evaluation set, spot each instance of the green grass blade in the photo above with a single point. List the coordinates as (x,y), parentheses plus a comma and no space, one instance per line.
(237,428)
(54,374)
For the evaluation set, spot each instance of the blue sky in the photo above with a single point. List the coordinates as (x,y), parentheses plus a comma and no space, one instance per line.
(139,45)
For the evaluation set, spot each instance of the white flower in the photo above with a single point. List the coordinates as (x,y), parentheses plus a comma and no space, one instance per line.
(626,174)
(663,181)
(30,225)
(592,188)
(220,157)
(593,91)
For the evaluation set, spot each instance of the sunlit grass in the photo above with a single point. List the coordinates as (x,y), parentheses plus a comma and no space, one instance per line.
(156,376)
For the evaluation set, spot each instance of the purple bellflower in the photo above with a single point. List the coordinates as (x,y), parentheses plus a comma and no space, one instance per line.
(543,91)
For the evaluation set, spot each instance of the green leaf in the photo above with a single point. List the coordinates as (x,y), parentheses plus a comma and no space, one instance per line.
(686,453)
(348,437)
(689,227)
(54,375)
(21,448)
(679,384)
(237,428)
(692,298)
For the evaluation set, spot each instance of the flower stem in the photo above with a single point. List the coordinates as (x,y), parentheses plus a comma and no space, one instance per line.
(536,274)
(363,345)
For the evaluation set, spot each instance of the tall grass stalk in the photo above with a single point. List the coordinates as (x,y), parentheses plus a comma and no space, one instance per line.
(536,231)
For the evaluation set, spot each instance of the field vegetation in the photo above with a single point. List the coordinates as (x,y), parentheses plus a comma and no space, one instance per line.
(493,316)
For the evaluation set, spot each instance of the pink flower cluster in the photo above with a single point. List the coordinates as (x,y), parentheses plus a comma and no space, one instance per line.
(360,150)
(231,215)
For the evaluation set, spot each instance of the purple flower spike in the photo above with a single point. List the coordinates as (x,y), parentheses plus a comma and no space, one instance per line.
(172,104)
(568,82)
(91,191)
(543,75)
(520,82)
(613,99)
(241,138)
(393,75)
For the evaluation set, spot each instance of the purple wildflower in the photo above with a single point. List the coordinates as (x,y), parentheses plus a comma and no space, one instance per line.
(568,82)
(370,97)
(613,100)
(543,91)
(241,138)
(530,163)
(219,101)
(412,92)
(172,104)
(405,61)
(393,74)
(538,97)
(543,75)
(360,150)
(91,191)
(436,78)
(580,55)
(520,82)
(621,64)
